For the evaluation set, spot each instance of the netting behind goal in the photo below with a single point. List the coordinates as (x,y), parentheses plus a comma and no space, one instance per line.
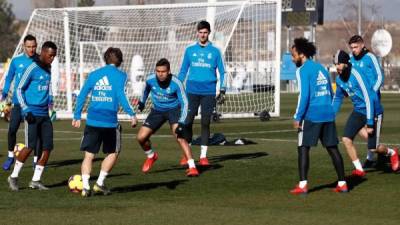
(248,34)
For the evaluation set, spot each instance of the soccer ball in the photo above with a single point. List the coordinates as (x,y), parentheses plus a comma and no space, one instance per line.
(17,148)
(75,183)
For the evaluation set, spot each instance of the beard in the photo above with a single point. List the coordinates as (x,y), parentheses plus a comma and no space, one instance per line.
(298,63)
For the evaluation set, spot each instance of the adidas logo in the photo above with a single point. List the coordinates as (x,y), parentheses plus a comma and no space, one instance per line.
(103,85)
(321,80)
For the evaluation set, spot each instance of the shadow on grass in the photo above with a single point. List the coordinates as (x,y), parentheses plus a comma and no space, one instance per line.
(221,158)
(94,178)
(352,182)
(60,163)
(144,187)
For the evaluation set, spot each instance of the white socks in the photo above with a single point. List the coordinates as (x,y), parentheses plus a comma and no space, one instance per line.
(17,168)
(341,183)
(203,153)
(10,154)
(85,180)
(191,163)
(38,173)
(302,183)
(102,177)
(149,153)
(390,151)
(358,165)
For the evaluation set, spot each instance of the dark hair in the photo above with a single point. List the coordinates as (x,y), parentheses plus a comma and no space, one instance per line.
(113,56)
(303,46)
(29,37)
(356,39)
(204,25)
(49,44)
(163,62)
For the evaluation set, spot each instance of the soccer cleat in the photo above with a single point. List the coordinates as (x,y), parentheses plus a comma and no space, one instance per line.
(149,163)
(341,189)
(8,163)
(97,189)
(394,159)
(299,191)
(358,173)
(192,172)
(86,193)
(183,161)
(369,164)
(13,183)
(38,185)
(204,162)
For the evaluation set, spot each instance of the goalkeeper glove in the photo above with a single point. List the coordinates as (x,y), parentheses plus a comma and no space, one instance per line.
(221,97)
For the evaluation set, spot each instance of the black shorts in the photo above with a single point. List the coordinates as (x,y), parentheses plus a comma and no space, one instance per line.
(207,105)
(357,121)
(40,130)
(157,118)
(310,132)
(93,137)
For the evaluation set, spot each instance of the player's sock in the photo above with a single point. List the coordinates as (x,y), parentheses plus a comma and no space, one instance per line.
(38,173)
(370,155)
(341,183)
(390,151)
(302,183)
(35,159)
(85,181)
(102,177)
(10,154)
(149,153)
(203,153)
(17,168)
(358,165)
(191,163)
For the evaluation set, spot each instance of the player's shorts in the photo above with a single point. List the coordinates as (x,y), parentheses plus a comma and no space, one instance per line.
(206,102)
(94,137)
(357,121)
(310,132)
(40,130)
(156,119)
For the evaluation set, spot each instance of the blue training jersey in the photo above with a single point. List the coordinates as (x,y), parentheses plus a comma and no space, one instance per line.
(199,69)
(168,98)
(365,100)
(370,67)
(315,93)
(17,67)
(107,88)
(34,90)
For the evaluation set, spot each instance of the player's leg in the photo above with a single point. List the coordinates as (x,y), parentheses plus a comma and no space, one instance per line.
(90,145)
(112,147)
(207,104)
(46,136)
(13,126)
(194,103)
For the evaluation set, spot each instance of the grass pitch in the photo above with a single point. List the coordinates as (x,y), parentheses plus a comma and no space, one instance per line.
(245,184)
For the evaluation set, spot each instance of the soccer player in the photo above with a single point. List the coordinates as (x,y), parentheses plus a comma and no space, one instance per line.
(199,68)
(34,96)
(169,104)
(368,66)
(107,88)
(17,67)
(367,112)
(314,117)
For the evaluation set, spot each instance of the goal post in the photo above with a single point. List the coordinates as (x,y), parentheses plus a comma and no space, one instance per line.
(246,32)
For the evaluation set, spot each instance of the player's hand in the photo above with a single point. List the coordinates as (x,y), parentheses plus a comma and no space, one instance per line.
(221,97)
(76,123)
(296,124)
(141,106)
(180,130)
(134,121)
(30,118)
(370,130)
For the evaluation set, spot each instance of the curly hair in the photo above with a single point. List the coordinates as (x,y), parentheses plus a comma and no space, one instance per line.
(305,47)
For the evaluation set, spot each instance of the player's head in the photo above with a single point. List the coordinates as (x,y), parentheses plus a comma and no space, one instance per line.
(356,44)
(113,56)
(203,31)
(48,53)
(342,63)
(30,45)
(302,50)
(163,70)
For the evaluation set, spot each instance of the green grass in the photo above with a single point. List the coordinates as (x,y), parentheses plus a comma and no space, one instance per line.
(245,185)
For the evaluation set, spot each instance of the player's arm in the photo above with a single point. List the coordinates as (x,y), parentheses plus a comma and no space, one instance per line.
(369,96)
(23,84)
(180,92)
(145,95)
(51,99)
(184,67)
(337,98)
(304,94)
(221,71)
(80,101)
(378,72)
(9,78)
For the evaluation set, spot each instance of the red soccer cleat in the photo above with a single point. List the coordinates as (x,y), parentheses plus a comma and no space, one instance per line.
(299,191)
(192,172)
(183,161)
(204,162)
(394,159)
(358,173)
(149,163)
(341,189)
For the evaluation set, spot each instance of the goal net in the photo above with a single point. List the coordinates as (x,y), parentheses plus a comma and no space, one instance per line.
(247,33)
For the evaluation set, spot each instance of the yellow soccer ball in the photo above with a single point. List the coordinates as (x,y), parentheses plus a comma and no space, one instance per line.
(75,183)
(17,148)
